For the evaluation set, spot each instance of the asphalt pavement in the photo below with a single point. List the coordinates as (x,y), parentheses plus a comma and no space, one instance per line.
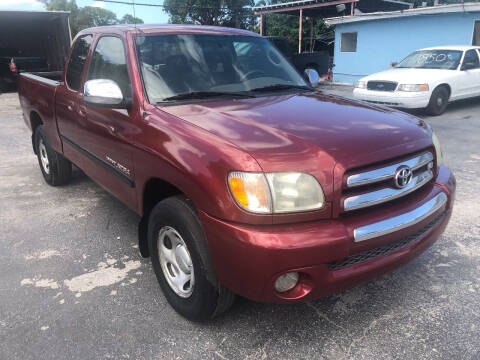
(73,285)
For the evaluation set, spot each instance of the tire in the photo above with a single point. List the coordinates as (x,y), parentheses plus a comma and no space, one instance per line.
(438,101)
(183,266)
(56,169)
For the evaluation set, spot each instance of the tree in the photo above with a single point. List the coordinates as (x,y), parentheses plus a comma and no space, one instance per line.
(90,16)
(233,13)
(129,19)
(64,5)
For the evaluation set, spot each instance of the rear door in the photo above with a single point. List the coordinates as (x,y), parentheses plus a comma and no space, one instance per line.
(69,99)
(103,131)
(469,81)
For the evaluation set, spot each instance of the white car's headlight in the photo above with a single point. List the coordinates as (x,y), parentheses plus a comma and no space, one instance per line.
(361,84)
(438,149)
(413,87)
(282,192)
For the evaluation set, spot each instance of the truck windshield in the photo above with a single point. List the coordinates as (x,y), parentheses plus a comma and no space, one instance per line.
(176,67)
(432,59)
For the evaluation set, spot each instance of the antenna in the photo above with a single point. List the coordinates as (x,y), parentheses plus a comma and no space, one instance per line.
(134,15)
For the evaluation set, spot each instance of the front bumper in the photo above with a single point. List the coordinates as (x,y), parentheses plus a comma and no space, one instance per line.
(401,99)
(248,259)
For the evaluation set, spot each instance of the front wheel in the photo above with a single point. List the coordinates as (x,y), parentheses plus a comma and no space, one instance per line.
(56,169)
(181,261)
(438,101)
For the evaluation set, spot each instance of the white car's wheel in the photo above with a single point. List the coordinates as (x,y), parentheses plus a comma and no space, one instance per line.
(438,101)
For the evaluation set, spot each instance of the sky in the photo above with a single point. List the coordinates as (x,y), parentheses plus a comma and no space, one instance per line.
(149,14)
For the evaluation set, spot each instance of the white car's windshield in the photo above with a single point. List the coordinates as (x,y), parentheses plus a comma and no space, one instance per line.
(432,59)
(176,67)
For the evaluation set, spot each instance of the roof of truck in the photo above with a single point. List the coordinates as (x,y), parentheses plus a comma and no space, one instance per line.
(170,28)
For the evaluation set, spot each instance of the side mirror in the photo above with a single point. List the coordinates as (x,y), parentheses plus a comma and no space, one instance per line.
(469,65)
(104,93)
(312,77)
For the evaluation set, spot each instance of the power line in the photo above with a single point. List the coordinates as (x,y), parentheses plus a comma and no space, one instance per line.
(176,7)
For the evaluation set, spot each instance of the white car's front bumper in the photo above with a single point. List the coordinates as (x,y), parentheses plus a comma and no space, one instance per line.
(401,99)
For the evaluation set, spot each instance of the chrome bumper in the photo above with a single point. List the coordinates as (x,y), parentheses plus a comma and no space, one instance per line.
(401,221)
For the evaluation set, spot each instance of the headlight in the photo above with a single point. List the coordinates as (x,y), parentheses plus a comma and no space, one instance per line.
(361,84)
(413,87)
(438,149)
(276,192)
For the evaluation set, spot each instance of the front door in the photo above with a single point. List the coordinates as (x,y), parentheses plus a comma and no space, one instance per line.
(103,132)
(469,81)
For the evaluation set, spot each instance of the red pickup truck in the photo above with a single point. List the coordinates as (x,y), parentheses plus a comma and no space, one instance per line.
(248,181)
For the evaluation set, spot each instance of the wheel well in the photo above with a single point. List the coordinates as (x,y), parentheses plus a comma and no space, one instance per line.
(447,87)
(155,190)
(35,122)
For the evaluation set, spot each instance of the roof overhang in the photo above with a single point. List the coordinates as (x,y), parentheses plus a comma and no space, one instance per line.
(311,8)
(434,10)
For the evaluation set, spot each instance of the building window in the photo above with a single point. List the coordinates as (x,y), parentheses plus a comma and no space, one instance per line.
(476,33)
(349,42)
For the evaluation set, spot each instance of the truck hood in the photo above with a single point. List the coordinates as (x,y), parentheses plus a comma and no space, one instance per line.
(412,76)
(300,127)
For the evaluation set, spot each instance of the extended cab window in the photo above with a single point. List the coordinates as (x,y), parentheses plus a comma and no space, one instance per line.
(77,61)
(109,62)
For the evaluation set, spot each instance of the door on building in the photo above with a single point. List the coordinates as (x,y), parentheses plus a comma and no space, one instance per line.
(476,33)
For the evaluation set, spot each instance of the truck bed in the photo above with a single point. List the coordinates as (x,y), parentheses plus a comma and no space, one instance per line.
(37,96)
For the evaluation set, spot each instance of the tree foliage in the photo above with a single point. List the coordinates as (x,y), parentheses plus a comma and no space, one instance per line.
(129,19)
(230,13)
(88,16)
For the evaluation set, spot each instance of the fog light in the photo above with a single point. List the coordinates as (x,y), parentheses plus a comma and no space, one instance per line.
(286,282)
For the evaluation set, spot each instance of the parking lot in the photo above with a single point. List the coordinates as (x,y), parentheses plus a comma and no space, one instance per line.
(73,285)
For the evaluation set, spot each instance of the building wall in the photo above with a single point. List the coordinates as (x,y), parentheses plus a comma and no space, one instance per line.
(380,42)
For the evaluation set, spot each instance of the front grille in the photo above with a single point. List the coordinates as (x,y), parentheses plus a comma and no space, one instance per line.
(374,185)
(382,85)
(384,250)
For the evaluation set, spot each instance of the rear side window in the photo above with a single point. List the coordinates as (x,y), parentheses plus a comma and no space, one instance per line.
(77,61)
(471,57)
(109,62)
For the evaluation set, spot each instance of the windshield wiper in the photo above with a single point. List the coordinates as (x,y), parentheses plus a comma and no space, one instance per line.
(207,94)
(281,87)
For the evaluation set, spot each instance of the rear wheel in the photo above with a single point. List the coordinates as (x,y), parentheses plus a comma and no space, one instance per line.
(56,170)
(438,101)
(181,261)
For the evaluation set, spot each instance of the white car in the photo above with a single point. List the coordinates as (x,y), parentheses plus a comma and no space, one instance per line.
(428,78)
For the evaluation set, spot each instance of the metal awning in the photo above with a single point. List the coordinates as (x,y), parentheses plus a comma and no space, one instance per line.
(310,8)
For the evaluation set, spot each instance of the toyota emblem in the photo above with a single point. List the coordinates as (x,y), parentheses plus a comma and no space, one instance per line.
(403,176)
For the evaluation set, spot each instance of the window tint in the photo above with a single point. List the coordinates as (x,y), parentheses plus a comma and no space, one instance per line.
(471,57)
(109,62)
(77,61)
(348,42)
